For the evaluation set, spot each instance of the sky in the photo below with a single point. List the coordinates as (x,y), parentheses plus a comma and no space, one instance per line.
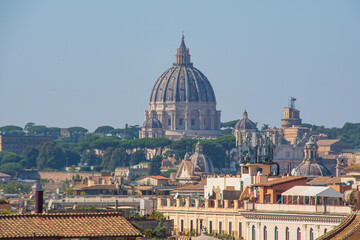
(94,63)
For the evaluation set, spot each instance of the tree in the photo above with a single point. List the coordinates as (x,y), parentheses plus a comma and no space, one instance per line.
(155,165)
(50,156)
(168,172)
(12,130)
(181,147)
(91,158)
(38,130)
(137,157)
(104,130)
(77,133)
(104,143)
(16,188)
(160,231)
(119,158)
(11,168)
(72,157)
(31,153)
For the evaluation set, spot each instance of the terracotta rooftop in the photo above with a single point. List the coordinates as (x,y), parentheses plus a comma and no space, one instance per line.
(4,175)
(158,177)
(325,181)
(280,181)
(326,142)
(349,228)
(352,168)
(66,225)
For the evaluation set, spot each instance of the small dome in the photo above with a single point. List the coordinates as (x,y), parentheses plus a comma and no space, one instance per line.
(199,160)
(311,169)
(245,123)
(152,122)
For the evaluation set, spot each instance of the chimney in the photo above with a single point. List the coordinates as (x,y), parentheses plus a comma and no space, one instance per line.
(39,201)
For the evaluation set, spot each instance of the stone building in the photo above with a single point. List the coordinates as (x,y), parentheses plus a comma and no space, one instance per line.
(184,102)
(17,144)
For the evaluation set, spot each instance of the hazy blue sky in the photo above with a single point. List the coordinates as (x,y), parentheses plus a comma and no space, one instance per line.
(92,63)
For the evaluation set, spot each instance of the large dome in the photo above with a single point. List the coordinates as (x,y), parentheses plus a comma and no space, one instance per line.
(311,169)
(182,82)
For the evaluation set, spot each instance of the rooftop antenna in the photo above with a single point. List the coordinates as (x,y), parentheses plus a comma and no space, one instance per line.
(292,102)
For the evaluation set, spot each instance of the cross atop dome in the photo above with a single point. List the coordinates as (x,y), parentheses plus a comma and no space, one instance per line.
(182,57)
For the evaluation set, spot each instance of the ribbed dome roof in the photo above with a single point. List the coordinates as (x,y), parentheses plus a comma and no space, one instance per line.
(182,82)
(311,169)
(152,122)
(245,123)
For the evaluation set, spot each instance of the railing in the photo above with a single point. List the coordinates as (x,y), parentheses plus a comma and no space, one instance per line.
(186,204)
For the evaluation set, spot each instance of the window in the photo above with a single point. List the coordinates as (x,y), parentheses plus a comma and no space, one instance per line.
(325,230)
(265,233)
(220,227)
(298,234)
(191,225)
(311,234)
(230,228)
(210,227)
(276,234)
(287,234)
(182,225)
(240,229)
(201,224)
(192,122)
(180,122)
(169,122)
(253,237)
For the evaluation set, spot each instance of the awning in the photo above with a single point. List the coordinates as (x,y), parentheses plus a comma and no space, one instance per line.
(312,191)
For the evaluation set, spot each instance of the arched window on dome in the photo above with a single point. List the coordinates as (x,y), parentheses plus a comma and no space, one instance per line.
(276,233)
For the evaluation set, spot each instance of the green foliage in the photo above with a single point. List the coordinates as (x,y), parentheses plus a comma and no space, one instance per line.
(71,157)
(84,144)
(38,130)
(131,132)
(181,147)
(12,130)
(104,130)
(31,153)
(50,156)
(138,157)
(85,169)
(105,142)
(224,236)
(98,168)
(155,165)
(167,173)
(216,153)
(4,211)
(91,158)
(227,142)
(148,233)
(230,124)
(159,231)
(115,157)
(11,168)
(349,133)
(16,188)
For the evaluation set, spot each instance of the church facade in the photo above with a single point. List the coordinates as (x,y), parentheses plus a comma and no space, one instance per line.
(183,102)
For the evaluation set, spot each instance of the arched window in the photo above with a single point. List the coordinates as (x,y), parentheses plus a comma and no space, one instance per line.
(298,234)
(253,237)
(287,234)
(265,233)
(311,234)
(276,234)
(325,230)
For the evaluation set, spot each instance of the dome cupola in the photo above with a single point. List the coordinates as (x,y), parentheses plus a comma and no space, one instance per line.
(200,160)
